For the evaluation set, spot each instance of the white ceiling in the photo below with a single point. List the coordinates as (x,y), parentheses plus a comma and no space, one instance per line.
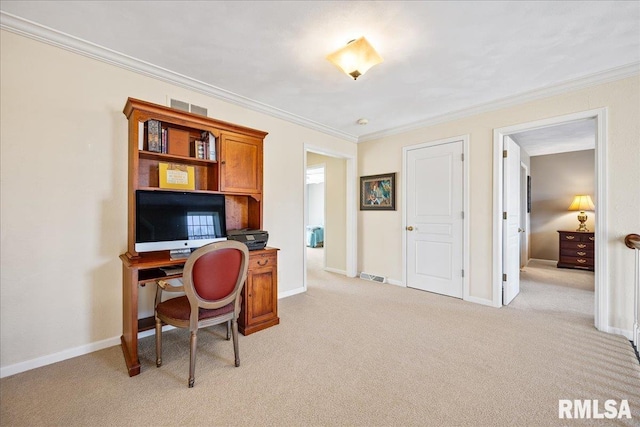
(441,59)
(572,136)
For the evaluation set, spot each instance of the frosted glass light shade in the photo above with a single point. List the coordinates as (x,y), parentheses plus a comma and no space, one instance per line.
(582,203)
(355,58)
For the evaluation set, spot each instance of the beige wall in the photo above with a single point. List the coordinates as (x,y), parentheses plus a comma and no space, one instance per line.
(63,191)
(335,238)
(555,179)
(621,98)
(63,216)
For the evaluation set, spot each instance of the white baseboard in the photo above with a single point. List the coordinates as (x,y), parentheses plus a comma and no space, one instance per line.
(396,282)
(38,362)
(544,261)
(481,301)
(335,270)
(290,293)
(618,331)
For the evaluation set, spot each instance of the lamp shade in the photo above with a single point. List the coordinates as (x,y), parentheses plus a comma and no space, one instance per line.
(355,58)
(582,203)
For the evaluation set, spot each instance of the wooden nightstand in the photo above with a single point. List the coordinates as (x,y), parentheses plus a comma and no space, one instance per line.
(576,250)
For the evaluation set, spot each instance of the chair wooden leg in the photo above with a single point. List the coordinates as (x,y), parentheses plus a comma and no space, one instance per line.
(192,361)
(228,330)
(158,342)
(234,326)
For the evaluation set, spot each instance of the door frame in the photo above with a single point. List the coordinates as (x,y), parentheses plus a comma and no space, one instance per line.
(601,309)
(465,207)
(351,210)
(524,215)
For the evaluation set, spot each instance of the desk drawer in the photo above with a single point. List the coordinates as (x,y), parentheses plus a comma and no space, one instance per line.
(262,260)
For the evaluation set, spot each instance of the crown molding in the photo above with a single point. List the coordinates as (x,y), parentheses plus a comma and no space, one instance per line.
(65,41)
(59,39)
(606,76)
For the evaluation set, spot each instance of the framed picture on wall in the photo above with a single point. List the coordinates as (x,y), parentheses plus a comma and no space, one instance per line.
(378,192)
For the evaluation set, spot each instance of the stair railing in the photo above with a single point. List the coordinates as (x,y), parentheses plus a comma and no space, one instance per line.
(633,242)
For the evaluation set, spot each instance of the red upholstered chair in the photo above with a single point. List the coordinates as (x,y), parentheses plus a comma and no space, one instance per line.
(213,277)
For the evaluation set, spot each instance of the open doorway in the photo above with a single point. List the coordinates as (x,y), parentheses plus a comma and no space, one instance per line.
(315,214)
(329,215)
(600,308)
(556,275)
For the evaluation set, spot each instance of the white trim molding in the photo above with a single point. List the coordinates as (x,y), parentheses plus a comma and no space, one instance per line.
(602,77)
(49,359)
(601,309)
(65,41)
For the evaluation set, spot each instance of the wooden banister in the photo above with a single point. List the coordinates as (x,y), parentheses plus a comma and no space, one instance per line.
(632,241)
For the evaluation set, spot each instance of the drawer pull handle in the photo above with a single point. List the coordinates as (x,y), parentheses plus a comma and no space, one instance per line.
(570,237)
(582,261)
(582,253)
(592,238)
(262,264)
(582,245)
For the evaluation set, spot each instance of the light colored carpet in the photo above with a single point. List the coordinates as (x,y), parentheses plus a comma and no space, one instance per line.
(347,352)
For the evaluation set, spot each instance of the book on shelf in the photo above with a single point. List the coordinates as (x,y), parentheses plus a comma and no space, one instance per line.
(210,145)
(153,130)
(178,142)
(199,148)
(163,142)
(177,176)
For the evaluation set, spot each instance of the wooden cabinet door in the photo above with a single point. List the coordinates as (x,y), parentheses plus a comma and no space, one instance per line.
(262,300)
(240,164)
(260,293)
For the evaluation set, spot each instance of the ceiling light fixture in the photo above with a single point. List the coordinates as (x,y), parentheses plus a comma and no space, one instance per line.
(355,58)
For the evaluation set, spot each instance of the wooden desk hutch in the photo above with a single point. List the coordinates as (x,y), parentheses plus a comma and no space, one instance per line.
(236,172)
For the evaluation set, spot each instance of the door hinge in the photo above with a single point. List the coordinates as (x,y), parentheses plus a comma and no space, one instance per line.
(504,277)
(462,214)
(462,156)
(504,153)
(504,215)
(463,272)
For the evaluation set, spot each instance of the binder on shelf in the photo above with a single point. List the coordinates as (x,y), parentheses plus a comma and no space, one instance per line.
(176,176)
(154,135)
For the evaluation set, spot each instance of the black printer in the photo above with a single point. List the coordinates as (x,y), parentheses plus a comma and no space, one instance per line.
(254,239)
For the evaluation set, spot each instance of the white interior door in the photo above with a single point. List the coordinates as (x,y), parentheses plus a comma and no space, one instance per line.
(434,221)
(511,222)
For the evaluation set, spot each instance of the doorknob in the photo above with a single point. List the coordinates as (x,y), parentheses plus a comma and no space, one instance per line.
(520,230)
(409,228)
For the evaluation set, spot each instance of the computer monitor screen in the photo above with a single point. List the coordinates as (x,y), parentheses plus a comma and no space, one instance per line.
(169,220)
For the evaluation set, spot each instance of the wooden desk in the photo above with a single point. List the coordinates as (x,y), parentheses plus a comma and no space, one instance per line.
(259,309)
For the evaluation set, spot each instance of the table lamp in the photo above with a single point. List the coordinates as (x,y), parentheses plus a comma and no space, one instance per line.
(582,203)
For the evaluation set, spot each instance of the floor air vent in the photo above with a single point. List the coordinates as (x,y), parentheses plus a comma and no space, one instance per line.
(373,277)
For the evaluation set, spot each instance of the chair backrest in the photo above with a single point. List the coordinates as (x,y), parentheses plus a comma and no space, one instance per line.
(214,274)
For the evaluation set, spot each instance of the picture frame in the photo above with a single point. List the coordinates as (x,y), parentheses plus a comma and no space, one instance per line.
(378,192)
